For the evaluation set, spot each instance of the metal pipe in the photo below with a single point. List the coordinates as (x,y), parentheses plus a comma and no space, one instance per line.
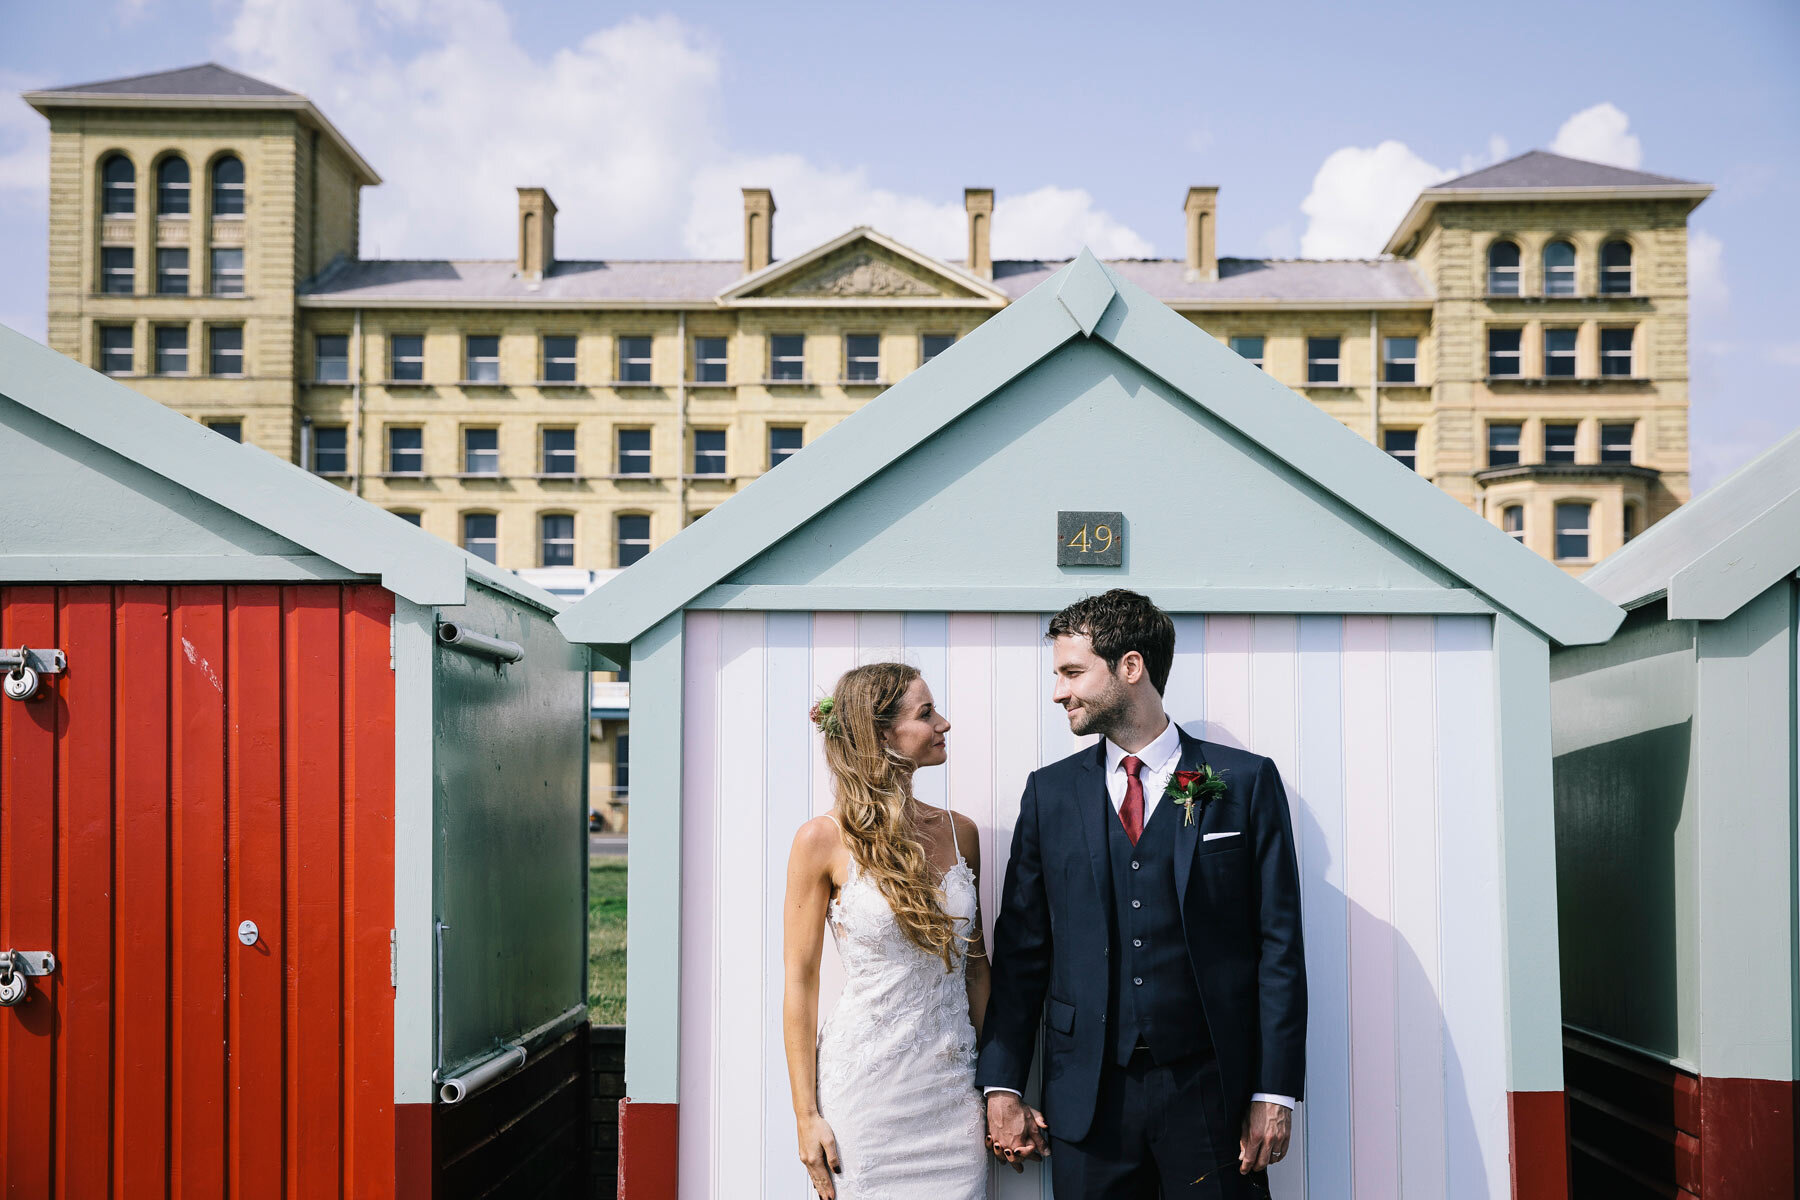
(480,644)
(509,1057)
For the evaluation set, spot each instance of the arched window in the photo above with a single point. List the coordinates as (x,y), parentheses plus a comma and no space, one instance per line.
(228,187)
(1512,519)
(118,186)
(1559,269)
(1503,269)
(1615,269)
(172,188)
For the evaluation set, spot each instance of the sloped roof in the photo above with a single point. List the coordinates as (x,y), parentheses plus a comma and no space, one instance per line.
(1718,551)
(746,289)
(1088,299)
(1542,169)
(271,492)
(1247,281)
(206,79)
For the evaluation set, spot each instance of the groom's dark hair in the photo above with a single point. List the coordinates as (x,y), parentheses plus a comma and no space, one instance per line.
(1117,623)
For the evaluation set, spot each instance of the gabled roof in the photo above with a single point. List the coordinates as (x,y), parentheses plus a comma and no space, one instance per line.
(295,504)
(1718,551)
(1541,175)
(206,86)
(756,289)
(1088,299)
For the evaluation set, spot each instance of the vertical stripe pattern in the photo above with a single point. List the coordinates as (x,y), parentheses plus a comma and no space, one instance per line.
(1382,730)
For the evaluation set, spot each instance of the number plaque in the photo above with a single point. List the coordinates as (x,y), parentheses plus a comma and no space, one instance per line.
(1090,539)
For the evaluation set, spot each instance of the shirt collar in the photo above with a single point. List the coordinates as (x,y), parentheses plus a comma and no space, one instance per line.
(1158,756)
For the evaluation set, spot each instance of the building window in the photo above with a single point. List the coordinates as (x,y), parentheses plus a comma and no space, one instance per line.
(118,187)
(559,452)
(228,271)
(227,350)
(631,538)
(231,431)
(172,188)
(1559,269)
(406,450)
(709,360)
(228,187)
(1400,359)
(115,349)
(1403,444)
(1321,360)
(1512,520)
(1615,442)
(709,452)
(1250,349)
(1615,352)
(410,516)
(406,356)
(330,450)
(481,358)
(1503,352)
(784,443)
(862,357)
(634,360)
(481,452)
(1559,443)
(172,272)
(933,344)
(634,452)
(1628,528)
(787,356)
(1572,530)
(559,359)
(1503,445)
(556,540)
(1559,353)
(118,270)
(1503,269)
(331,358)
(481,535)
(622,765)
(171,350)
(1615,269)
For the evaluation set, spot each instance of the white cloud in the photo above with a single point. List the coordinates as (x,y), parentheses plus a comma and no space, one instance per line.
(1359,196)
(623,127)
(1708,294)
(1600,134)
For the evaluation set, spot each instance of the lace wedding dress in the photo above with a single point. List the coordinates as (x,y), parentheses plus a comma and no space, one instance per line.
(897,1055)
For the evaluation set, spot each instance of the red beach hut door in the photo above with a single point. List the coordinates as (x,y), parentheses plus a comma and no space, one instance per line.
(212,755)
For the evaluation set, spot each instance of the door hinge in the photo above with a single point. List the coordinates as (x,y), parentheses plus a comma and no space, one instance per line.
(393,962)
(393,639)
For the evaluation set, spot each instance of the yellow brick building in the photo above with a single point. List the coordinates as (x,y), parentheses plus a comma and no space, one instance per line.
(1522,340)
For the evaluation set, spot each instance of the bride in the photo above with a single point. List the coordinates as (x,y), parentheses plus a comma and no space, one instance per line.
(885,1100)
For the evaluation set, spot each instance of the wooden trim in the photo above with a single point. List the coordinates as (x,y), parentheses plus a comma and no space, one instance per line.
(1539,1145)
(647,1150)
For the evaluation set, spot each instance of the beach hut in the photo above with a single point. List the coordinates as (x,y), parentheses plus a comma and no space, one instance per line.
(292,857)
(1675,747)
(1384,645)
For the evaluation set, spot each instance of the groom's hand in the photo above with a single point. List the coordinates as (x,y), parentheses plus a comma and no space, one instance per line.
(1264,1140)
(1016,1131)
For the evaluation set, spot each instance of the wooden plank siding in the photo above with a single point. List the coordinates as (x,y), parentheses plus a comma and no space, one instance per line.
(1383,730)
(213,753)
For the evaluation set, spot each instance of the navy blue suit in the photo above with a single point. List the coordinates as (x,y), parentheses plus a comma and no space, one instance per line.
(1073,902)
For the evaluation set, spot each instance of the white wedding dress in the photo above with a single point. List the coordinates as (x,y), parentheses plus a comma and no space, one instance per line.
(897,1055)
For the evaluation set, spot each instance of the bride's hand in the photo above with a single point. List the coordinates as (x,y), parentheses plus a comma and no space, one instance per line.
(819,1151)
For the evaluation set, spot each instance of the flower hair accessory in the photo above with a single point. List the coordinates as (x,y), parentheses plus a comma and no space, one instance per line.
(824,715)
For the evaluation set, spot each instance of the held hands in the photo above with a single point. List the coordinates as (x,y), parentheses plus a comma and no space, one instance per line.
(819,1151)
(1016,1131)
(1264,1140)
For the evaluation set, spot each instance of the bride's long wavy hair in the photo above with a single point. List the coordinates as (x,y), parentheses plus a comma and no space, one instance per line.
(873,786)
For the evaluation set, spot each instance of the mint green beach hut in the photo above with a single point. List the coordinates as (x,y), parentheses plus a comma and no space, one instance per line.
(1388,648)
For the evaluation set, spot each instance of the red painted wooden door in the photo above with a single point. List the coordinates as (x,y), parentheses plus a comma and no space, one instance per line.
(213,754)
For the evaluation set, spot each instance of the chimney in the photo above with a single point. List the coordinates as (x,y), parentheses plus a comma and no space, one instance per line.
(980,203)
(1202,211)
(537,232)
(759,228)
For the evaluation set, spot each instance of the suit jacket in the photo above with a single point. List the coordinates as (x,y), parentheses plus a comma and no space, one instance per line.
(1240,912)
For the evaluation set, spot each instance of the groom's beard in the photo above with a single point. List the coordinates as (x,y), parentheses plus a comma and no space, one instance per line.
(1100,714)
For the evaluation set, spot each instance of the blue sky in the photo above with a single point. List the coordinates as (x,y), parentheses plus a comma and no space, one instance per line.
(1317,121)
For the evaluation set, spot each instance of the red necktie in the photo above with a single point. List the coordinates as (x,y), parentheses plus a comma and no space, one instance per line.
(1131,813)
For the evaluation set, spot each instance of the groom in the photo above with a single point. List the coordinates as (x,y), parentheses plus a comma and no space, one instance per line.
(1159,939)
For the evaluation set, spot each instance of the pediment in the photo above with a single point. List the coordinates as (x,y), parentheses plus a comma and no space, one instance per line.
(864,266)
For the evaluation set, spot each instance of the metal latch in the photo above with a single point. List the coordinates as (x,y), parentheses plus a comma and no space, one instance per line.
(15,968)
(24,669)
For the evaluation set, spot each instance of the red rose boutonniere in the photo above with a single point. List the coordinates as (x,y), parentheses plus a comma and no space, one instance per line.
(1188,787)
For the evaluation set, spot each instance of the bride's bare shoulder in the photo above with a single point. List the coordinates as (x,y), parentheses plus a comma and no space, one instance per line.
(817,841)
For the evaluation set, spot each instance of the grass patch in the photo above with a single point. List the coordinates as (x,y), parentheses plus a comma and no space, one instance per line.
(606,941)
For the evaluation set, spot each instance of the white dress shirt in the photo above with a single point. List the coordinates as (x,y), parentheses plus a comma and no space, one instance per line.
(1157,762)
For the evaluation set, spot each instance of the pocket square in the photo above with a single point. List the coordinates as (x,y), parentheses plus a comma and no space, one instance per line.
(1213,837)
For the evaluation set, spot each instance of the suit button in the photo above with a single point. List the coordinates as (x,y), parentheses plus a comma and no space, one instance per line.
(1138,980)
(1137,904)
(1106,950)
(1134,866)
(1137,941)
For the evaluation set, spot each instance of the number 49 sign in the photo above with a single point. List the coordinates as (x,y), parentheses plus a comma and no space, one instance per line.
(1090,539)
